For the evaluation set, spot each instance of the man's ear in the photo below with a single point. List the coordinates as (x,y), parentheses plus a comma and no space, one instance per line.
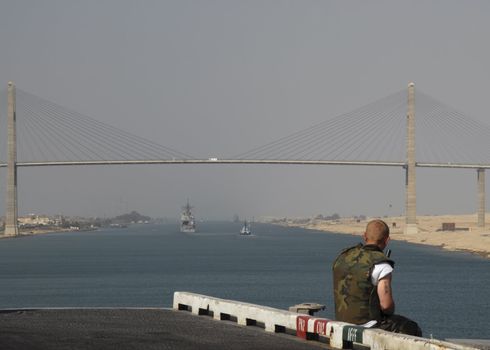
(364,237)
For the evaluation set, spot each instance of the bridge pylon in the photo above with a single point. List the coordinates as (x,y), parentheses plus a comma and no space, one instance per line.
(481,197)
(11,228)
(410,204)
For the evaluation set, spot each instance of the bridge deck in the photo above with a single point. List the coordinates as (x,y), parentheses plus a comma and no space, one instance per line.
(133,329)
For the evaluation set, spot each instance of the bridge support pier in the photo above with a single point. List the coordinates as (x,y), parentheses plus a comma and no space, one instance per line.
(481,197)
(11,209)
(410,204)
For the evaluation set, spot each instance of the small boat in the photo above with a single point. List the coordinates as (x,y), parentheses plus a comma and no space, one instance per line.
(245,231)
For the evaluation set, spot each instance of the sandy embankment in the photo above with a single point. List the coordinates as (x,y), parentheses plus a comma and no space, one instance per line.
(37,231)
(466,237)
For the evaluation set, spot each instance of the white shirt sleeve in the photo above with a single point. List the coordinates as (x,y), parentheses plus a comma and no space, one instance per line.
(380,271)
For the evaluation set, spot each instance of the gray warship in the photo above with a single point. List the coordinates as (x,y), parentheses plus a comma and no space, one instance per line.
(187,221)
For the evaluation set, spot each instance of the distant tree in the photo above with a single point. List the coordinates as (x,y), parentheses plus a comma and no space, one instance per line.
(99,222)
(134,216)
(332,217)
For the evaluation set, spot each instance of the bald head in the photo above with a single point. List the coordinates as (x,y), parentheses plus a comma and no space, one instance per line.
(377,232)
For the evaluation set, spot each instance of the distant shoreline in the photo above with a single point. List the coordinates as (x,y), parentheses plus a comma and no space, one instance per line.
(39,231)
(466,237)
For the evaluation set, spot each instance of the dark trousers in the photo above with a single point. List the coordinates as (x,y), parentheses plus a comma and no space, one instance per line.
(400,324)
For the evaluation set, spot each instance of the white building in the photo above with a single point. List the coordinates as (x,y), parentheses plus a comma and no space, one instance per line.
(36,220)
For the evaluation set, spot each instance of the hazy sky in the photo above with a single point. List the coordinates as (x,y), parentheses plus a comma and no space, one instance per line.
(216,78)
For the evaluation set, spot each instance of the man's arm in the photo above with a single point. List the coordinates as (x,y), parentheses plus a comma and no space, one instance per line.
(385,295)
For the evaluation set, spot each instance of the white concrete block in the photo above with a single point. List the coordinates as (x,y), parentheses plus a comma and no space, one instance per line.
(273,319)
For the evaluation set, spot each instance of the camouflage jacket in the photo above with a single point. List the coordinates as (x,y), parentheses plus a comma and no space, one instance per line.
(356,298)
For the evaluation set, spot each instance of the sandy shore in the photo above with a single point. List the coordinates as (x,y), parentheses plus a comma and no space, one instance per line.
(37,231)
(467,236)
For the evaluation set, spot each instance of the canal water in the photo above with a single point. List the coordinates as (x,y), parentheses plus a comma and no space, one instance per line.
(447,293)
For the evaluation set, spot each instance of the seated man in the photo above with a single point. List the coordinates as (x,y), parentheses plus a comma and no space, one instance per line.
(362,284)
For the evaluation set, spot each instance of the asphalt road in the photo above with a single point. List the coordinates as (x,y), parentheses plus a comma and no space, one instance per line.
(73,329)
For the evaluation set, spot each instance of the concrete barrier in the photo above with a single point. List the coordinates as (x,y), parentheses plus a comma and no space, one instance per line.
(273,320)
(339,335)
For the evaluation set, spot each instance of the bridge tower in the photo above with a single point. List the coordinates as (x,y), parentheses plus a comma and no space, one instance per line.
(410,204)
(11,214)
(481,197)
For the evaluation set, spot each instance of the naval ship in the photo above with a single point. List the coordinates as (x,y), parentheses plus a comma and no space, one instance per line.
(245,231)
(187,222)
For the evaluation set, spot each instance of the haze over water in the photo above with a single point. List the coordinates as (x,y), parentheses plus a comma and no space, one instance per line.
(445,292)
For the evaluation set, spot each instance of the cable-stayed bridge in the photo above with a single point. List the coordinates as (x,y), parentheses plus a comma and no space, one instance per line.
(382,133)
